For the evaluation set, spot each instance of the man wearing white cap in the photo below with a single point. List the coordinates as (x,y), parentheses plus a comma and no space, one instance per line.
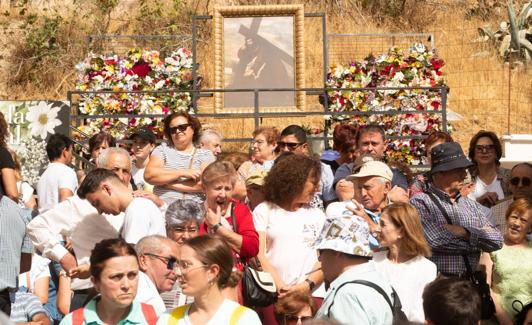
(372,183)
(357,293)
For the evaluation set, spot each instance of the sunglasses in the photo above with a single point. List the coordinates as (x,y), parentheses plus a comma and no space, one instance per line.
(523,180)
(298,319)
(180,128)
(485,148)
(171,262)
(290,145)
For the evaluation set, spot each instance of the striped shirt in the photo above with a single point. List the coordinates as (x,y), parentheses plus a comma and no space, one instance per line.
(13,241)
(24,306)
(174,159)
(447,248)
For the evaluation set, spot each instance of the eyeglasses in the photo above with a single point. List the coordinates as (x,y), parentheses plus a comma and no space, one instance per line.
(171,262)
(186,267)
(180,127)
(259,142)
(290,145)
(523,180)
(182,230)
(485,148)
(298,319)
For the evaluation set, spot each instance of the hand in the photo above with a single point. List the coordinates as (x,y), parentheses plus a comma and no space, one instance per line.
(150,196)
(489,199)
(213,217)
(398,195)
(81,272)
(345,190)
(458,231)
(68,245)
(466,189)
(192,174)
(358,210)
(302,287)
(68,262)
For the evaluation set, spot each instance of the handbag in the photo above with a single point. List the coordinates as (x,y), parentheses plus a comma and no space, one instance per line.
(258,287)
(478,278)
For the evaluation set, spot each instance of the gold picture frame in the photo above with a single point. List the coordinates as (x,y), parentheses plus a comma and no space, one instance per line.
(255,48)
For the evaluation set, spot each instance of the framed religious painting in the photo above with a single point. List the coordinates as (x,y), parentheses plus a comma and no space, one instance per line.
(259,47)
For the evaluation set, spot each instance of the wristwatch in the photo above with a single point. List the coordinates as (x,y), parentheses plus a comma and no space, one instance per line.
(216,226)
(311,284)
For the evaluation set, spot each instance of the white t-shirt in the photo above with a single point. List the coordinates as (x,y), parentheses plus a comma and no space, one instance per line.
(482,188)
(56,176)
(289,240)
(39,269)
(26,191)
(221,317)
(408,279)
(142,218)
(148,294)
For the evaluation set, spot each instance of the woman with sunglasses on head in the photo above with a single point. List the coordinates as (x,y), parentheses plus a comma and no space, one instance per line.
(294,309)
(175,166)
(288,226)
(183,219)
(491,182)
(228,219)
(294,140)
(509,269)
(204,269)
(114,273)
(263,153)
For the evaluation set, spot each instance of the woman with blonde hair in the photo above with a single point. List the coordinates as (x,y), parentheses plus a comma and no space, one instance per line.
(508,269)
(404,263)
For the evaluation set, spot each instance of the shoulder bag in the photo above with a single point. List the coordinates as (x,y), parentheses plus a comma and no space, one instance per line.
(258,287)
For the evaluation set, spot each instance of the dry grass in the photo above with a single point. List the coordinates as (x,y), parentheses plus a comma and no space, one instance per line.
(482,88)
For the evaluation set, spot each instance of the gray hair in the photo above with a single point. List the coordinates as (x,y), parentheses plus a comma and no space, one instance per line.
(208,133)
(151,244)
(103,158)
(383,180)
(184,211)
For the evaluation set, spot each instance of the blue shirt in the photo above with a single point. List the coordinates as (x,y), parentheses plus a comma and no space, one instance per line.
(357,303)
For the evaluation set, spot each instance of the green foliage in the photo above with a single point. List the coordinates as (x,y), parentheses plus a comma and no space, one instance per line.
(40,34)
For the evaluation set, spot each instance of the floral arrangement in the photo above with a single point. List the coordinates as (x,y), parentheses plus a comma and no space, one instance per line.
(32,154)
(419,67)
(136,71)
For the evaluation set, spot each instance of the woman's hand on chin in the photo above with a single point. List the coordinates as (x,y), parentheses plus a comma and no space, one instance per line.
(213,217)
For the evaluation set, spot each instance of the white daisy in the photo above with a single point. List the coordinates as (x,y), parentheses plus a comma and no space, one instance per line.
(42,119)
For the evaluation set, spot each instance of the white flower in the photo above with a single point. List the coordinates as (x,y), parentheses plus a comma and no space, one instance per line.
(43,119)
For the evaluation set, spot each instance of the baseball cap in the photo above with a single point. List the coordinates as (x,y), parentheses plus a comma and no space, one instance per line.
(145,134)
(346,234)
(256,178)
(372,168)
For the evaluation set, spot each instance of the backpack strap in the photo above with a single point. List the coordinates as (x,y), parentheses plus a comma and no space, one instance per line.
(177,314)
(369,284)
(237,313)
(149,313)
(78,316)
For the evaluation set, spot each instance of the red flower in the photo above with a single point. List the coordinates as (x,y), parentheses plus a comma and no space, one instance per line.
(436,63)
(435,105)
(141,69)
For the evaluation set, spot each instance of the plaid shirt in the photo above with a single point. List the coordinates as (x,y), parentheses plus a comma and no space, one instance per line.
(447,248)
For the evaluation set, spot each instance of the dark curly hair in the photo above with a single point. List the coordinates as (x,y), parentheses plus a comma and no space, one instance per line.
(287,178)
(193,121)
(345,137)
(493,137)
(4,131)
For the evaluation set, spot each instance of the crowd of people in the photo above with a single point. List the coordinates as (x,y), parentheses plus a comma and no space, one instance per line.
(166,231)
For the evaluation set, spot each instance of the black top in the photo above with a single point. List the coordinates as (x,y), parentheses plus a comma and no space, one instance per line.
(6,161)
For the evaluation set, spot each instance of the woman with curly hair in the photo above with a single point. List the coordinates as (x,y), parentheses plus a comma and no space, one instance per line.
(8,181)
(288,226)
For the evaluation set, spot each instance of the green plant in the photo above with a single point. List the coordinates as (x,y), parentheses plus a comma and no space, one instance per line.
(514,37)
